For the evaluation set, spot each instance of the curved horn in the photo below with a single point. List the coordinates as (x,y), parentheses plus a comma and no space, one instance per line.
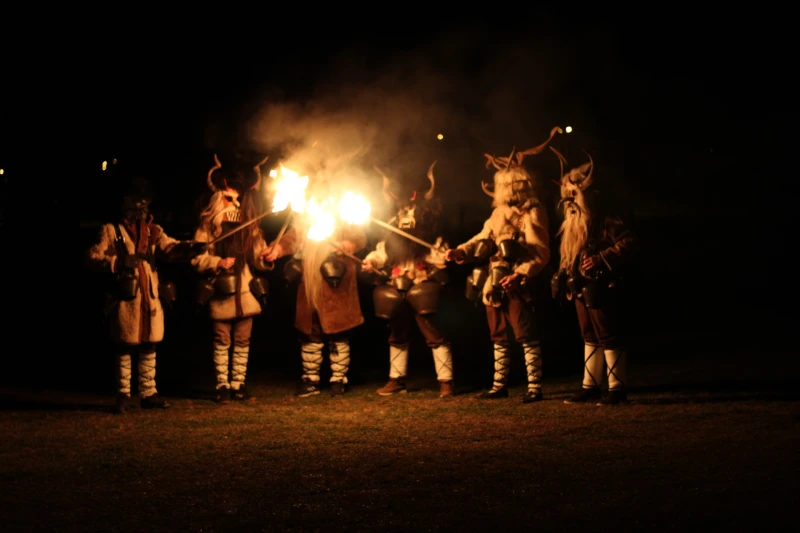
(429,194)
(386,194)
(537,149)
(257,168)
(217,165)
(562,162)
(486,189)
(586,170)
(490,160)
(511,158)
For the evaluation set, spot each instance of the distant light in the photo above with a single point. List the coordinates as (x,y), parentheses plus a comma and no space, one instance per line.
(568,129)
(105,164)
(2,171)
(440,136)
(114,161)
(273,173)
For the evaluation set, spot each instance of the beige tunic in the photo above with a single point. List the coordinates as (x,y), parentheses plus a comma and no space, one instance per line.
(530,221)
(141,319)
(225,308)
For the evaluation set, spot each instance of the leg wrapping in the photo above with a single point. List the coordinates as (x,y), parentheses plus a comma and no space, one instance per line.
(533,364)
(616,362)
(443,361)
(221,365)
(398,361)
(340,360)
(241,354)
(124,374)
(147,374)
(311,352)
(593,365)
(502,366)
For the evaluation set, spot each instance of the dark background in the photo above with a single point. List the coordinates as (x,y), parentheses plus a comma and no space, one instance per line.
(682,115)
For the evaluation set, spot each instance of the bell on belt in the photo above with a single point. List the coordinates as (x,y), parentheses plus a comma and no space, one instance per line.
(424,297)
(475,282)
(511,250)
(484,250)
(439,275)
(225,285)
(259,287)
(402,283)
(168,292)
(387,300)
(333,270)
(204,290)
(293,270)
(128,285)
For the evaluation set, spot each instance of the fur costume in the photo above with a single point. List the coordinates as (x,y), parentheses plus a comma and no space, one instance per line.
(127,250)
(520,220)
(591,232)
(231,314)
(324,314)
(417,214)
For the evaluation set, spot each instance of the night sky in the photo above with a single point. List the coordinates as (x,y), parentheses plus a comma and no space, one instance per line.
(678,111)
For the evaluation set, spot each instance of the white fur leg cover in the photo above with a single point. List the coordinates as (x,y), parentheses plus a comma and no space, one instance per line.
(340,360)
(239,368)
(147,374)
(593,364)
(533,364)
(616,364)
(398,361)
(311,353)
(502,366)
(221,364)
(443,361)
(124,373)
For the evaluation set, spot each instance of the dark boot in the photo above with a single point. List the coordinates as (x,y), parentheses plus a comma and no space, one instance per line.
(154,401)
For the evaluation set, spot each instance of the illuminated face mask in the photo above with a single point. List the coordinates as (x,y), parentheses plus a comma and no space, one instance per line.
(233,211)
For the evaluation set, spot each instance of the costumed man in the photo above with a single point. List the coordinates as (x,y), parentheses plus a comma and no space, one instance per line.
(328,306)
(516,240)
(229,287)
(411,294)
(596,248)
(128,249)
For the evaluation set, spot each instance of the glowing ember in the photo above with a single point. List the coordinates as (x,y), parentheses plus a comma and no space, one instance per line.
(290,190)
(354,209)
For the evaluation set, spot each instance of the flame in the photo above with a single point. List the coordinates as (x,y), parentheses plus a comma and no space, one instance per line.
(290,190)
(322,222)
(354,208)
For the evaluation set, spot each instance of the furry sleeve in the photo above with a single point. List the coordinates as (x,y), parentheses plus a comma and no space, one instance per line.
(207,260)
(537,242)
(378,255)
(620,252)
(102,256)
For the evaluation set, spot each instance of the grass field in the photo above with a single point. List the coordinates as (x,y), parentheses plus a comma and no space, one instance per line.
(701,446)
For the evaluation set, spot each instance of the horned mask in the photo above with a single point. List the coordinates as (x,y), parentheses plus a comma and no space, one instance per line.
(227,193)
(512,182)
(406,203)
(575,181)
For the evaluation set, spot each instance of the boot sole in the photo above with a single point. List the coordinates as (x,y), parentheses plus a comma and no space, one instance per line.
(392,393)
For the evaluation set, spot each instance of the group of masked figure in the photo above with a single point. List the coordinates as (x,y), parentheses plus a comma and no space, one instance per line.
(506,256)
